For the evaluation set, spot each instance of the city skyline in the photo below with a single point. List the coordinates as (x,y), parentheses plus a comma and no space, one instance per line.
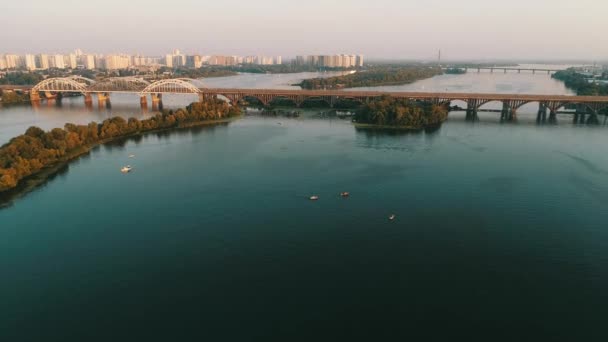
(469,29)
(174,59)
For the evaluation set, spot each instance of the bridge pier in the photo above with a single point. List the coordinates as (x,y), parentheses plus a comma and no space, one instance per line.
(579,114)
(157,102)
(143,102)
(88,100)
(472,106)
(506,109)
(35,97)
(332,101)
(103,100)
(593,119)
(541,116)
(58,99)
(509,111)
(553,116)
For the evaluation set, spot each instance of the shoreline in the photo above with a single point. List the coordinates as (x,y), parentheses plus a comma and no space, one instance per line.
(388,127)
(44,175)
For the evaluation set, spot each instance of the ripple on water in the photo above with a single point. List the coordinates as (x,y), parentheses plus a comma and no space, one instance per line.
(585,163)
(503,184)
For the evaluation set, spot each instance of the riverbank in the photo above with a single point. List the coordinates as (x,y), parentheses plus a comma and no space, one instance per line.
(580,83)
(27,154)
(366,126)
(374,77)
(11,97)
(47,173)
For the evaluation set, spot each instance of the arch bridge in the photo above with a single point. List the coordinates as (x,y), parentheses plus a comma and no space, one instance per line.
(550,104)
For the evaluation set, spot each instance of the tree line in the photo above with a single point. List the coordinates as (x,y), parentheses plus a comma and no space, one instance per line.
(580,83)
(21,78)
(399,112)
(374,76)
(11,97)
(29,153)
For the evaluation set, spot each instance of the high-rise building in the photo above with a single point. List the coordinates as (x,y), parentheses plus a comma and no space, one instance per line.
(117,62)
(70,61)
(2,63)
(30,62)
(179,61)
(100,62)
(222,60)
(56,61)
(334,61)
(359,61)
(195,61)
(42,61)
(169,61)
(87,61)
(13,61)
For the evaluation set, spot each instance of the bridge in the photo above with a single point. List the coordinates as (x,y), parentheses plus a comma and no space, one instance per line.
(505,69)
(56,87)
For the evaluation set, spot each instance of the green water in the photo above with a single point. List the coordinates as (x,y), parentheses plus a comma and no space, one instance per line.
(500,234)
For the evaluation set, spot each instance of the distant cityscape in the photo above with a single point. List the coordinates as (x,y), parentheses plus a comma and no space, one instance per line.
(175,59)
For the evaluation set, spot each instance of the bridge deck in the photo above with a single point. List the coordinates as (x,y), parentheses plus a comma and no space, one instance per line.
(412,95)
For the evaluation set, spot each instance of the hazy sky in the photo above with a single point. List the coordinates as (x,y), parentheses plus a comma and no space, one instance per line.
(480,29)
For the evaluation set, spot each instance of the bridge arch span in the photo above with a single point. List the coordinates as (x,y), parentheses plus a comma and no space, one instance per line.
(173,86)
(483,103)
(284,98)
(60,84)
(257,100)
(119,84)
(83,80)
(592,107)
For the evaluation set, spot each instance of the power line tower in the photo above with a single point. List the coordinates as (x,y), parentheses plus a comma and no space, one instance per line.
(439,58)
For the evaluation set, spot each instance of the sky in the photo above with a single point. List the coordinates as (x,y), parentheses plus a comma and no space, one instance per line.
(388,29)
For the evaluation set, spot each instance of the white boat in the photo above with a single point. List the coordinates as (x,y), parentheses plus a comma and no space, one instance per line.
(392,217)
(131,156)
(126,169)
(345,194)
(314,198)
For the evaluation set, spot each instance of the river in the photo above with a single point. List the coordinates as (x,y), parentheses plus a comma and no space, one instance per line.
(500,229)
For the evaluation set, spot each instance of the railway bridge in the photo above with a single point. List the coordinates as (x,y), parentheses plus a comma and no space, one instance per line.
(547,104)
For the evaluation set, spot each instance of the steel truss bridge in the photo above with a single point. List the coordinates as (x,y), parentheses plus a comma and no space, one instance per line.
(54,87)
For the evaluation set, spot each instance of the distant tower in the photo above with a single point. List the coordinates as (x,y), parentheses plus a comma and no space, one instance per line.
(439,58)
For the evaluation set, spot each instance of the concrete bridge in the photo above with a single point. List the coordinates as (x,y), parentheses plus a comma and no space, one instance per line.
(547,104)
(506,69)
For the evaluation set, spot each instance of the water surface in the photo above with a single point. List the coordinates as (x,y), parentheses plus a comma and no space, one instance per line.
(500,233)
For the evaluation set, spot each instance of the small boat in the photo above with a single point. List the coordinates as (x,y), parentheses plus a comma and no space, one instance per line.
(392,217)
(314,198)
(131,156)
(126,169)
(344,194)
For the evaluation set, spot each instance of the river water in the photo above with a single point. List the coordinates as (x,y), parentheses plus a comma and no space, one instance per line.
(500,229)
